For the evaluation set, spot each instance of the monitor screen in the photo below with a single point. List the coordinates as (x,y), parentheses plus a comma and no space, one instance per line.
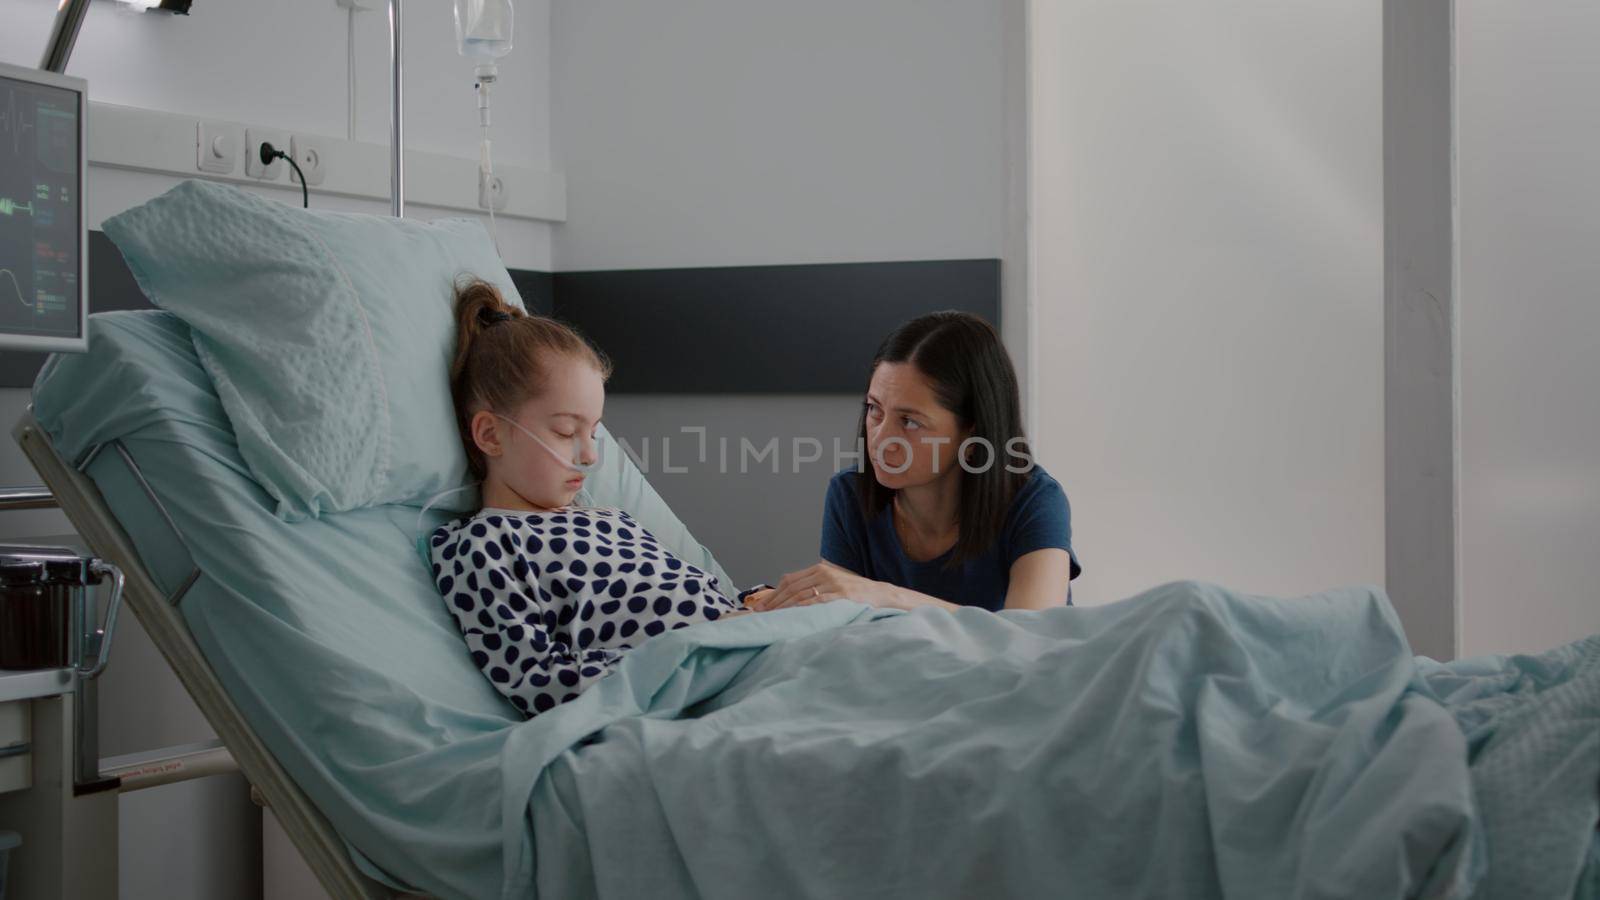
(41,211)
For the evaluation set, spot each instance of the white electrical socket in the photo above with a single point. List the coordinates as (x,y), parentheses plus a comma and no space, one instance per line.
(492,192)
(217,147)
(253,139)
(311,155)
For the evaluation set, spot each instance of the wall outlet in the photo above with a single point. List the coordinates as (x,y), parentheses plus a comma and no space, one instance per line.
(253,139)
(311,155)
(492,192)
(217,147)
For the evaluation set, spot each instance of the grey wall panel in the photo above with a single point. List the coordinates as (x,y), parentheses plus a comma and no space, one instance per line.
(1419,324)
(806,329)
(537,290)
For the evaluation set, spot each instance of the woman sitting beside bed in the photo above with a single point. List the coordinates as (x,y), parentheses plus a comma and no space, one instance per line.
(952,510)
(548,596)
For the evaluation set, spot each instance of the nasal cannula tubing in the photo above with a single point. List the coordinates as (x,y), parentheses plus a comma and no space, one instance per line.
(575,462)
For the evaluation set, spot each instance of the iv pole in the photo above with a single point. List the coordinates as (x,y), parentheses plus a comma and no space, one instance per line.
(63,35)
(397,164)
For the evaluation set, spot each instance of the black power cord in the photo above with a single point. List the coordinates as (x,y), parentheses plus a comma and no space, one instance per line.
(270,153)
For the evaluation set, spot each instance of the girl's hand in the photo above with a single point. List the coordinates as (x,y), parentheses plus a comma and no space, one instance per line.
(824,582)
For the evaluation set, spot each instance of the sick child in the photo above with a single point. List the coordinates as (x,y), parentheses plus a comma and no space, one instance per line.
(549,596)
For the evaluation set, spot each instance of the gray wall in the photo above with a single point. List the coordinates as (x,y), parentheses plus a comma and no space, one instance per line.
(1016,305)
(1491,138)
(1207,210)
(729,132)
(1528,219)
(732,132)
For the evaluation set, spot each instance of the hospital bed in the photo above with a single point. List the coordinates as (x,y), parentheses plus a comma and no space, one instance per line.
(1188,742)
(325,662)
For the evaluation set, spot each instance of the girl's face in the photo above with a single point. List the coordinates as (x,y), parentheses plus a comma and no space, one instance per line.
(565,416)
(911,439)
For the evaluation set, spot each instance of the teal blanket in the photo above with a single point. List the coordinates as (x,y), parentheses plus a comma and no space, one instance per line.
(1189,742)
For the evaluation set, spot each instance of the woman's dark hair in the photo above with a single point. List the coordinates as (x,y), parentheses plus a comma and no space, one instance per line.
(971,374)
(500,356)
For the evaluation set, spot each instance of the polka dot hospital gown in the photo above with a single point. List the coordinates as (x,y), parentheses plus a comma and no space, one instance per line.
(549,602)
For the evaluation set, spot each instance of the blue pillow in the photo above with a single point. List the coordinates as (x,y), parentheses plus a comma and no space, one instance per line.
(327,335)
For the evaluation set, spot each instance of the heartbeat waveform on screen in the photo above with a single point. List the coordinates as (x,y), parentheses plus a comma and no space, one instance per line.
(9,206)
(15,286)
(11,120)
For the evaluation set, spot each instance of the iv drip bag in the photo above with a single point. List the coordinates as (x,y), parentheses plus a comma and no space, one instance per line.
(483,29)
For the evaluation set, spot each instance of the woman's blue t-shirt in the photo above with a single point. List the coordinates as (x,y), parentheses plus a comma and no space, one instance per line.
(1039,518)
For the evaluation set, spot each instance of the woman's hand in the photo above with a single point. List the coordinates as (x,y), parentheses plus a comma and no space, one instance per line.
(825,581)
(819,584)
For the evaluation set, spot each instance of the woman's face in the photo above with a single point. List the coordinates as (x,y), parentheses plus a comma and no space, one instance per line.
(911,439)
(565,416)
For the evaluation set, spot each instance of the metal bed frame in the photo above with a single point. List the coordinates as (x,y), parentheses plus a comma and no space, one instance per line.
(312,834)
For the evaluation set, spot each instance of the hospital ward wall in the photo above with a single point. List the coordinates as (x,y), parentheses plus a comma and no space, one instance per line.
(1207,289)
(281,65)
(723,133)
(1528,213)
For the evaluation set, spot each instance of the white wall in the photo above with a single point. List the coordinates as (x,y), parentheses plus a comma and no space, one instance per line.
(731,132)
(1528,200)
(1207,265)
(207,64)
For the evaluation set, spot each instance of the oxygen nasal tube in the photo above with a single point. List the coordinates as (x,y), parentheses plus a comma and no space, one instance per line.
(574,462)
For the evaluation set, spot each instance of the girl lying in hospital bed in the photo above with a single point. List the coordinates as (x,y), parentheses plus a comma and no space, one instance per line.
(548,596)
